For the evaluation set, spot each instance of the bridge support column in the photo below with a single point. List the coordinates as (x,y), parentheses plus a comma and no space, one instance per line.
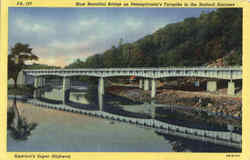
(21,78)
(40,81)
(102,85)
(65,89)
(43,81)
(140,83)
(231,88)
(153,90)
(211,86)
(197,83)
(36,84)
(146,84)
(100,92)
(41,85)
(153,112)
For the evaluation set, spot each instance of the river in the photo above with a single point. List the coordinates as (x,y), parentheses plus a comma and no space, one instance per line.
(59,131)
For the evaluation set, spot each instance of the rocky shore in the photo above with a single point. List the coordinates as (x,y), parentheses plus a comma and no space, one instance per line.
(214,103)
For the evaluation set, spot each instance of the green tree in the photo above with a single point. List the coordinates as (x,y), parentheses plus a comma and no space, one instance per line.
(16,62)
(193,42)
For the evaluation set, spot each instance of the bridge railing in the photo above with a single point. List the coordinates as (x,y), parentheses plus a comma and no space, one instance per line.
(135,69)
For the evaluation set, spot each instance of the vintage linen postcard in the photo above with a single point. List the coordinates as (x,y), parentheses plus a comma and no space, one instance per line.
(124,79)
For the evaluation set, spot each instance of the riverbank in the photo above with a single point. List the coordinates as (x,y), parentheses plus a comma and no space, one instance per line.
(228,108)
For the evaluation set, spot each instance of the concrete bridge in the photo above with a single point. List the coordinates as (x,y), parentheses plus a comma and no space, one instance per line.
(145,75)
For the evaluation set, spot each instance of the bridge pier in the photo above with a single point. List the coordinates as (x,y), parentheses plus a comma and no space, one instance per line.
(38,83)
(140,83)
(43,81)
(197,83)
(153,113)
(65,88)
(231,88)
(211,86)
(153,90)
(35,94)
(21,78)
(100,92)
(146,84)
(41,85)
(102,85)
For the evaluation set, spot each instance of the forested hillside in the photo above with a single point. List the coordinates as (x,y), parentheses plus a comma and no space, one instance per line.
(191,42)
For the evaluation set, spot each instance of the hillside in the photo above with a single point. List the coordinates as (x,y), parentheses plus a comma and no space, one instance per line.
(191,42)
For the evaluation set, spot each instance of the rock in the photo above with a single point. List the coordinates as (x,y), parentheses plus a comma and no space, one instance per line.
(209,105)
(178,146)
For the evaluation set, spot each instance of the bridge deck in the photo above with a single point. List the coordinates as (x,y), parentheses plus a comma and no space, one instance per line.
(209,72)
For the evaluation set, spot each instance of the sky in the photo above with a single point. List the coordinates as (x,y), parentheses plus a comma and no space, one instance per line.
(59,36)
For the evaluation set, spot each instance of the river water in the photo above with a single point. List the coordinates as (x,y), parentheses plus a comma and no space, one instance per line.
(59,131)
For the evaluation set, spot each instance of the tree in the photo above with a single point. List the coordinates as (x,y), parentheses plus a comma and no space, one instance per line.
(16,62)
(194,41)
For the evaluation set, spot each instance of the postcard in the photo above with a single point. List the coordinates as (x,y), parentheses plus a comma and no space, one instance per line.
(124,79)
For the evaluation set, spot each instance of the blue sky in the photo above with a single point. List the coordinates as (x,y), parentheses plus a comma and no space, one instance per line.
(61,35)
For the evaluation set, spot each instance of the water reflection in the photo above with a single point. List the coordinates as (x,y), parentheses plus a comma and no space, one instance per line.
(187,145)
(60,131)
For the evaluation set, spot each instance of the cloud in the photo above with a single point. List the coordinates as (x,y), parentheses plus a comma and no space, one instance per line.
(59,37)
(69,45)
(79,39)
(62,60)
(60,53)
(87,23)
(59,61)
(31,26)
(60,43)
(134,24)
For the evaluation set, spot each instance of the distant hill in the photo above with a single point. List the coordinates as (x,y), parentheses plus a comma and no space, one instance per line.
(40,66)
(191,42)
